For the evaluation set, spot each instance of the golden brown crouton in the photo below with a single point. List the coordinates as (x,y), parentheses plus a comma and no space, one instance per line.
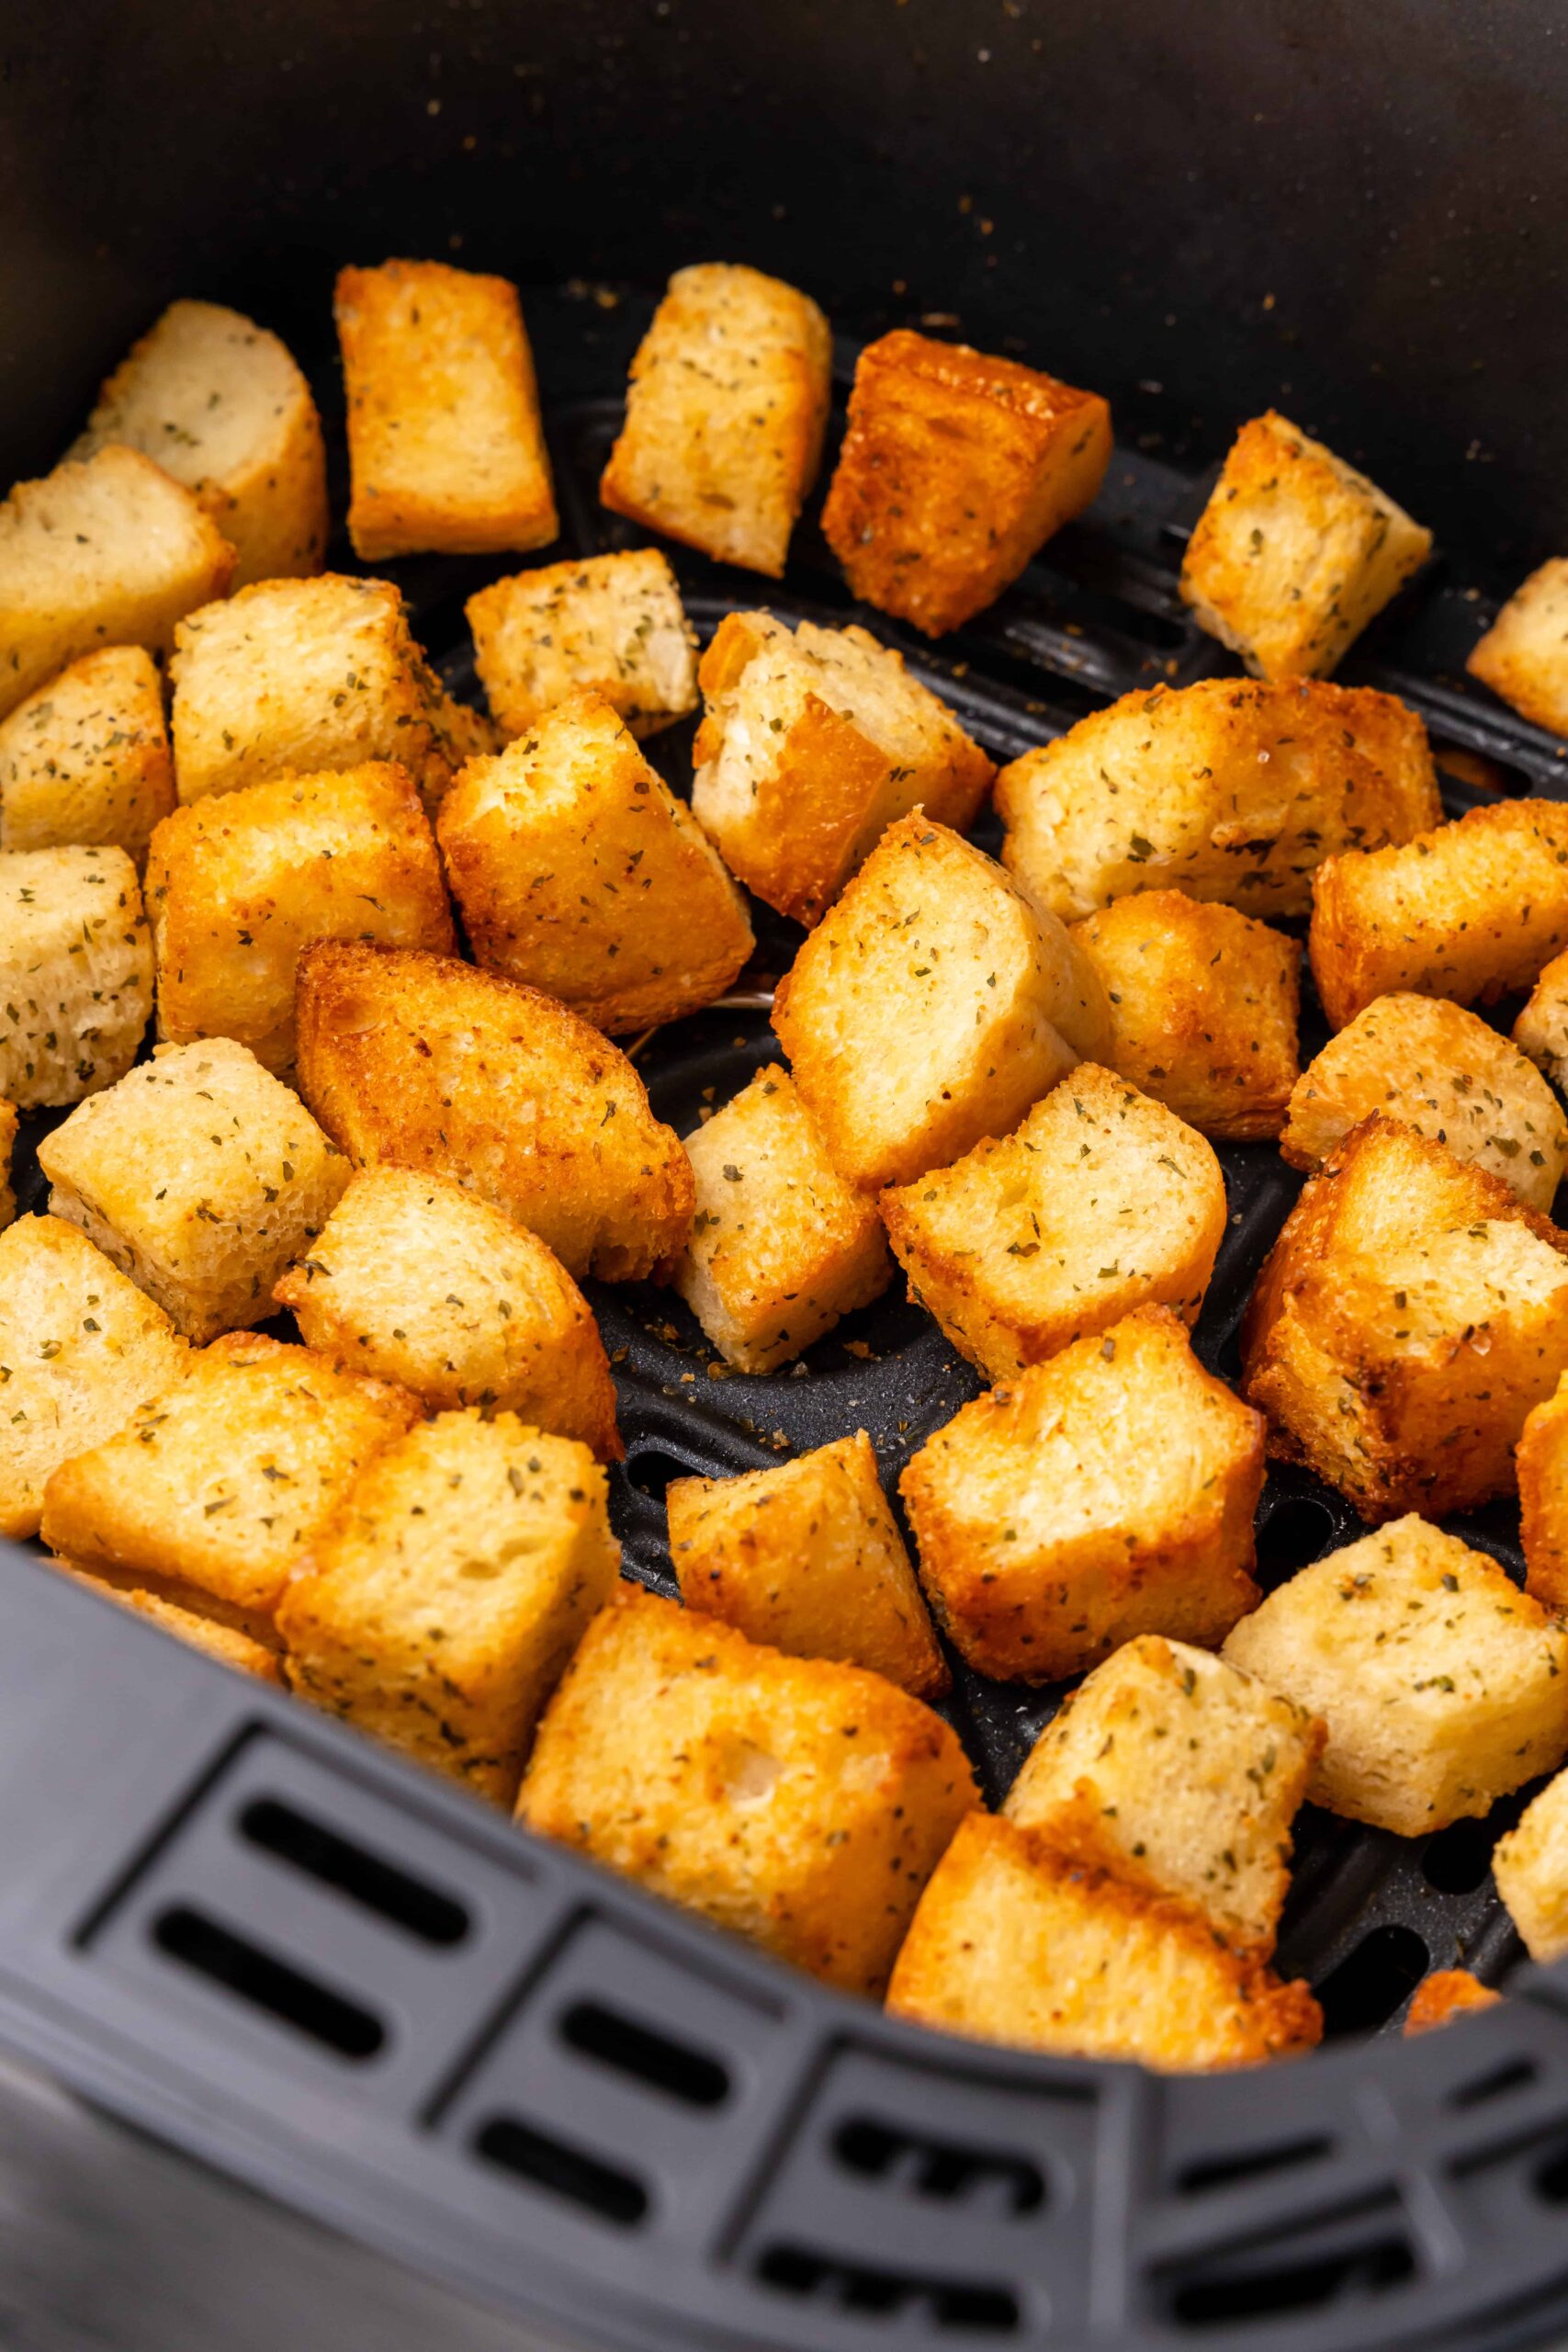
(1531,1865)
(808,1555)
(85,758)
(1186,1768)
(205,1633)
(421,1060)
(798,1802)
(1022,1941)
(7,1147)
(725,415)
(1100,1202)
(437,1609)
(1468,910)
(1203,1008)
(80,1348)
(1524,654)
(221,406)
(202,1176)
(75,973)
(780,1247)
(1107,1494)
(1446,1994)
(213,1492)
(813,741)
(1542,1461)
(444,441)
(955,468)
(1443,1071)
(930,1008)
(415,1281)
(239,883)
(105,551)
(1295,552)
(578,870)
(1227,789)
(1443,1686)
(1410,1314)
(612,622)
(1542,1029)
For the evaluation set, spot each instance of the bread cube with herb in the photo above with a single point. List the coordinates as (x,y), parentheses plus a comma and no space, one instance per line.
(1446,1994)
(1542,1029)
(85,758)
(75,973)
(1524,654)
(224,1642)
(612,622)
(1541,1460)
(1530,1866)
(8,1122)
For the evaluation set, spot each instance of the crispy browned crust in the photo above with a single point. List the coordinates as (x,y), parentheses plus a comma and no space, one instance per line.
(1447,1994)
(1542,1459)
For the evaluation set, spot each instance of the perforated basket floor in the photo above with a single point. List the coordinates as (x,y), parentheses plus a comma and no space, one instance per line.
(284,1950)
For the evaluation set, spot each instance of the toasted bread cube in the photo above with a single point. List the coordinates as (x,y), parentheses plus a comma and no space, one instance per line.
(1469,911)
(1411,1313)
(1542,1029)
(1541,1460)
(1446,1994)
(85,758)
(931,1008)
(1531,1865)
(80,1348)
(211,1495)
(1103,1201)
(421,1060)
(807,1557)
(1107,1494)
(955,468)
(813,741)
(414,1281)
(202,1176)
(75,973)
(105,551)
(1443,1071)
(1186,1767)
(1442,1685)
(578,870)
(1295,552)
(437,1609)
(1203,1008)
(221,406)
(799,1802)
(614,623)
(1227,789)
(445,443)
(1524,654)
(238,884)
(726,410)
(1023,1941)
(222,1641)
(7,1147)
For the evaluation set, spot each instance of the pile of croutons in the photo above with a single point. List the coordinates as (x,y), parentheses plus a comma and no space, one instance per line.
(385,944)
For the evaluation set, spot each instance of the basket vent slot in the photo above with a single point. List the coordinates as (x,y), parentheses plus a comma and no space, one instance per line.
(1233,2298)
(242,1967)
(1251,2164)
(868,2291)
(1514,2074)
(571,2174)
(647,2056)
(1372,1981)
(938,2170)
(310,1845)
(1298,1531)
(1550,2179)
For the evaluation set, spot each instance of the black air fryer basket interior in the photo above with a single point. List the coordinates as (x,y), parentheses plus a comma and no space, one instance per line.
(226,1920)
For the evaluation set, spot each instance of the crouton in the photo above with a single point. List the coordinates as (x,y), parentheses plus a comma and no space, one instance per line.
(1542,1029)
(1446,1994)
(612,622)
(1541,1460)
(1021,1941)
(85,758)
(105,551)
(807,1557)
(1442,1685)
(1524,654)
(1203,1008)
(212,1493)
(1468,910)
(578,870)
(726,410)
(1107,1494)
(444,444)
(202,1176)
(813,741)
(1410,1314)
(204,1634)
(1443,1071)
(796,1801)
(421,1060)
(780,1246)
(930,1008)
(7,1147)
(955,468)
(1103,1201)
(1295,552)
(1183,1765)
(80,1348)
(75,973)
(437,1609)
(414,1281)
(239,883)
(1530,1866)
(1227,789)
(221,406)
